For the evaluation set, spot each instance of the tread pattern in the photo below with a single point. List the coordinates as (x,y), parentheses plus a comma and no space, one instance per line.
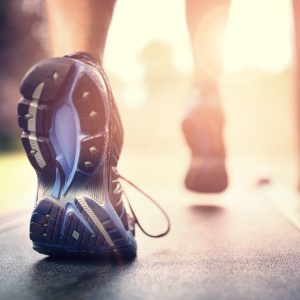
(36,109)
(91,112)
(41,88)
(53,76)
(39,151)
(91,152)
(52,228)
(76,227)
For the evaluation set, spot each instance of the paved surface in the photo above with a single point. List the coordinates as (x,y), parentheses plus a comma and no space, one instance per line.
(238,247)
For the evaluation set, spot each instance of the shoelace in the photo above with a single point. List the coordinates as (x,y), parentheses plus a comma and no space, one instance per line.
(136,220)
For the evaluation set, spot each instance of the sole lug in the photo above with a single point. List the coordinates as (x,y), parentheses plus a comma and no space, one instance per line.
(86,100)
(53,75)
(39,151)
(91,153)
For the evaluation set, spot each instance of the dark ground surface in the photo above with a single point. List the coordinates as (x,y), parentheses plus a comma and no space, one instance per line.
(241,248)
(230,246)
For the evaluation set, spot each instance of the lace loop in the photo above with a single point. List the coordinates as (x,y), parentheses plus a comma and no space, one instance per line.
(154,202)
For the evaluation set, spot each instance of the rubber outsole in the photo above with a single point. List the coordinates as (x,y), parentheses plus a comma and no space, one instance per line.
(64,116)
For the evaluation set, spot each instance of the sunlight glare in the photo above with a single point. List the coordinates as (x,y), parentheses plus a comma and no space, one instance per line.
(259,35)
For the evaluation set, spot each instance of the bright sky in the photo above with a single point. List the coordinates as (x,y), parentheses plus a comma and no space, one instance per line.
(259,34)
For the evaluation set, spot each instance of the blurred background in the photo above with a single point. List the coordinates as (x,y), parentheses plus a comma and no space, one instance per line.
(149,62)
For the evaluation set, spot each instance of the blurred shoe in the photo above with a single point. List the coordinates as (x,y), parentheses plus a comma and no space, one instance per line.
(203,131)
(72,134)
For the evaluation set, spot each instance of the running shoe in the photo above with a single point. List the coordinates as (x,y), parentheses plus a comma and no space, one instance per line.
(203,130)
(73,136)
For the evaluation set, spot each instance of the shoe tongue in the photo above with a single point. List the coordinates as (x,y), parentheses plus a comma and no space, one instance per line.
(81,55)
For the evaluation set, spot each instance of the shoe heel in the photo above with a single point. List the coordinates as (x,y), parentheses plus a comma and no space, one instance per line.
(77,229)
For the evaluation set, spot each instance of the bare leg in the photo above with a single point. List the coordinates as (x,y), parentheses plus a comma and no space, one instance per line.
(79,25)
(203,122)
(206,20)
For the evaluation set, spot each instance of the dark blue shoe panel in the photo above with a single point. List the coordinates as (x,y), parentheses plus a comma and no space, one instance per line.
(74,230)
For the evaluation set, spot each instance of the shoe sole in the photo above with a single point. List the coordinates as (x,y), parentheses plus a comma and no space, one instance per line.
(64,115)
